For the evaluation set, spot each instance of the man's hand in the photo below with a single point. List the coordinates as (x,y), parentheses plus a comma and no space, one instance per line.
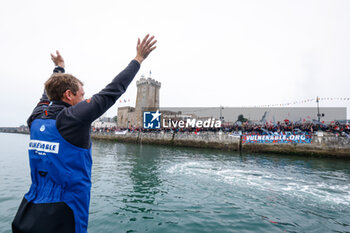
(144,48)
(58,60)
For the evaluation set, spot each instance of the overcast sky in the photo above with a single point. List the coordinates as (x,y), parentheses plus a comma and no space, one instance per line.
(210,53)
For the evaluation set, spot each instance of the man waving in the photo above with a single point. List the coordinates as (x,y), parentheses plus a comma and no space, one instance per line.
(60,148)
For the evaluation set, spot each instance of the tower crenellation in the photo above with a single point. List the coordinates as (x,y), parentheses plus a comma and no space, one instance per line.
(149,81)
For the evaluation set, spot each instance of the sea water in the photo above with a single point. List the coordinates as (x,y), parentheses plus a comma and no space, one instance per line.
(147,188)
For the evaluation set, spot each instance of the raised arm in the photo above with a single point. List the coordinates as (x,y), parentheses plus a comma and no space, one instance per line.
(59,63)
(44,100)
(89,110)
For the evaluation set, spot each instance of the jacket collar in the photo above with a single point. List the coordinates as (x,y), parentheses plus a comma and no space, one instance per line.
(60,102)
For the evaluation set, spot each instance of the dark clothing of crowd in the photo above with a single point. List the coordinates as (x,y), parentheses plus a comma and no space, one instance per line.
(245,128)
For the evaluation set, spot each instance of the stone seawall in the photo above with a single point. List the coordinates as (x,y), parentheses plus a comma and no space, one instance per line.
(325,146)
(202,140)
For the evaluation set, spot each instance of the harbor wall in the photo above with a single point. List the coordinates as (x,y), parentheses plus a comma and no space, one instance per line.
(324,146)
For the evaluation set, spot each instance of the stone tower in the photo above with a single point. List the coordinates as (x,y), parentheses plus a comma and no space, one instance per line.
(147,93)
(147,98)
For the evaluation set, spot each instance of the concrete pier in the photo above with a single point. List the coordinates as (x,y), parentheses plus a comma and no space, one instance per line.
(324,146)
(327,145)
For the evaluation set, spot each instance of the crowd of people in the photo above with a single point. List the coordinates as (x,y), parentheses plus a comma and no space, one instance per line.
(336,128)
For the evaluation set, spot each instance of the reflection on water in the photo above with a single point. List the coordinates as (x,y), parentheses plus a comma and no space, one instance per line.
(145,188)
(144,175)
(146,183)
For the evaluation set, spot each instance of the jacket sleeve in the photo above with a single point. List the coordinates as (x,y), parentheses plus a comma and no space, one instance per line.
(89,110)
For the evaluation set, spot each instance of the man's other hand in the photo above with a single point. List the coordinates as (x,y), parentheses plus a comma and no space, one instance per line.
(58,59)
(144,48)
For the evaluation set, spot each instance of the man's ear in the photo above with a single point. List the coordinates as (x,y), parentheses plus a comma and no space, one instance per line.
(68,95)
